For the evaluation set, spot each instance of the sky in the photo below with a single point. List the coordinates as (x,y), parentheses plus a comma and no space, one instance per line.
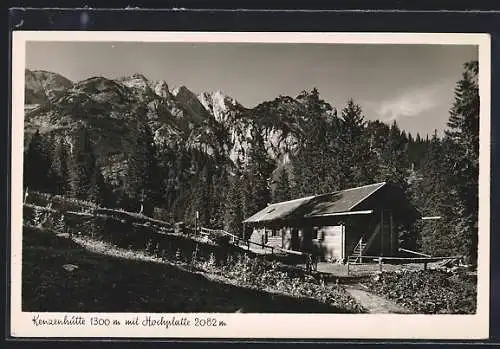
(412,84)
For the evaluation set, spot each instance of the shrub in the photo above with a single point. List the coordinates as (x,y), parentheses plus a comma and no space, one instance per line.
(264,275)
(429,291)
(59,203)
(39,217)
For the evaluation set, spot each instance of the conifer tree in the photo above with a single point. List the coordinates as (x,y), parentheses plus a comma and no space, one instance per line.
(259,170)
(220,187)
(463,133)
(395,164)
(283,190)
(234,213)
(315,166)
(86,179)
(357,161)
(199,201)
(433,197)
(463,130)
(37,165)
(60,167)
(143,181)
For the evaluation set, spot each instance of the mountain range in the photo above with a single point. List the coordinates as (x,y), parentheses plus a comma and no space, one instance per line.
(111,108)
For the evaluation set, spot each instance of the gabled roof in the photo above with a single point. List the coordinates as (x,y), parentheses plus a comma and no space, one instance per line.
(278,210)
(314,206)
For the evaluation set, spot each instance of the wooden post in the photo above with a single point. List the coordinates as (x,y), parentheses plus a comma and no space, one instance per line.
(197,214)
(347,268)
(342,232)
(425,265)
(380,264)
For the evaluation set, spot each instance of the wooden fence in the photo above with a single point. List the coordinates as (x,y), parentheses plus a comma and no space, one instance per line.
(424,260)
(310,264)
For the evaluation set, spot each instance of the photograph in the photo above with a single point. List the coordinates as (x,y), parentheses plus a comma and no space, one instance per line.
(248,177)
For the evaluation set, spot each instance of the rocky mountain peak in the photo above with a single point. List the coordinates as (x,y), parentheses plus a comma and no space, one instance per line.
(212,122)
(161,88)
(219,104)
(42,86)
(136,81)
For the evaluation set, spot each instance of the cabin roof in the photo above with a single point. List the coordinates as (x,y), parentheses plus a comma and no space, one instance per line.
(343,201)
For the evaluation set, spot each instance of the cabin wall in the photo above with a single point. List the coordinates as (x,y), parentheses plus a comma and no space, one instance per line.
(258,235)
(290,238)
(330,243)
(334,238)
(357,227)
(385,242)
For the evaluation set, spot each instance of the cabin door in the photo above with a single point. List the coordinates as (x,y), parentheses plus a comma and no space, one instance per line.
(294,239)
(388,236)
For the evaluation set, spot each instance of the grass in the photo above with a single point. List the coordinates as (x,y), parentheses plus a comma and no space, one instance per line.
(105,283)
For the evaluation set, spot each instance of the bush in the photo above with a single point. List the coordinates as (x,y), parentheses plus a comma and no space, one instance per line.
(40,216)
(264,275)
(59,203)
(429,291)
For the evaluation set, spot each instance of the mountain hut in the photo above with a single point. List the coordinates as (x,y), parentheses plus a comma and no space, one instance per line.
(340,226)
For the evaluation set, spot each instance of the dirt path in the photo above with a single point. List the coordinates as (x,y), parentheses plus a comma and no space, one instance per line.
(374,303)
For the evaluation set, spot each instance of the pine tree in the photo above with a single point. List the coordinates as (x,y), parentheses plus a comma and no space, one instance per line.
(60,170)
(463,130)
(395,164)
(357,161)
(37,165)
(463,133)
(433,197)
(220,187)
(143,177)
(259,170)
(283,190)
(199,202)
(234,208)
(86,179)
(315,166)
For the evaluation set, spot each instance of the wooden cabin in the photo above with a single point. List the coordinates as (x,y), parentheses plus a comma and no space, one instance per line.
(339,226)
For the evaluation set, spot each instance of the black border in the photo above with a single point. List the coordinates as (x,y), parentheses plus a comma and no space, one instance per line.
(361,16)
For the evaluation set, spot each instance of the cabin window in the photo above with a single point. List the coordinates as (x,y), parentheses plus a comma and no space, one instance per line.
(320,235)
(317,234)
(314,234)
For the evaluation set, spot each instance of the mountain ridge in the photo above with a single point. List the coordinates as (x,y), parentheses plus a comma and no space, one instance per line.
(212,122)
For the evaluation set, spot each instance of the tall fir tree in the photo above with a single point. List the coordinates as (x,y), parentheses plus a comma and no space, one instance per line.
(143,176)
(463,133)
(234,207)
(258,175)
(37,171)
(60,167)
(315,166)
(86,180)
(282,192)
(433,198)
(358,162)
(199,201)
(395,165)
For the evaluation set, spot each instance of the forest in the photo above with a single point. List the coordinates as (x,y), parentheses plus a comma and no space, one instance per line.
(335,149)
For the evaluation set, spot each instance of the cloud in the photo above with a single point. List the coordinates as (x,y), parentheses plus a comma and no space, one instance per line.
(411,103)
